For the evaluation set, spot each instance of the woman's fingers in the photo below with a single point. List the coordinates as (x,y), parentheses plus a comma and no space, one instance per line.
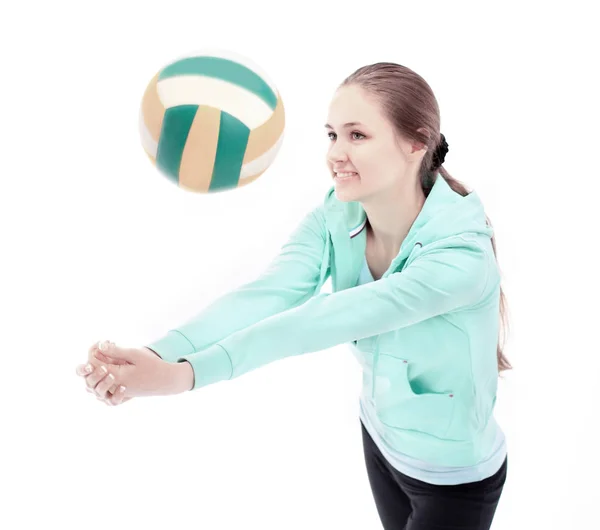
(84,369)
(118,397)
(93,348)
(102,387)
(97,353)
(96,376)
(98,380)
(94,351)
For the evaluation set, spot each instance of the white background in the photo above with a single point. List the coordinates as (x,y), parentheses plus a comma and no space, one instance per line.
(96,244)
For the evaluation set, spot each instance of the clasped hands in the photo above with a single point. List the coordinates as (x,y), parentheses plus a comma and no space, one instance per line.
(116,374)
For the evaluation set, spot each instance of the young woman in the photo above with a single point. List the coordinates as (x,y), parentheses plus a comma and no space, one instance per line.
(416,294)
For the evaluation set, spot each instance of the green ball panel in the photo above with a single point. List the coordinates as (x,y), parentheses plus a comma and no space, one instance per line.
(231,149)
(225,70)
(173,136)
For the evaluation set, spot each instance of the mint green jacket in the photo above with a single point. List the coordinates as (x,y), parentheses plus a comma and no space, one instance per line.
(425,334)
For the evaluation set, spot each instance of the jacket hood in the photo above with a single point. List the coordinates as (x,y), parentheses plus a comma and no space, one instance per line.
(445,213)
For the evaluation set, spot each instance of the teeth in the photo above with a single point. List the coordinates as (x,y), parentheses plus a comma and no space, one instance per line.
(345,175)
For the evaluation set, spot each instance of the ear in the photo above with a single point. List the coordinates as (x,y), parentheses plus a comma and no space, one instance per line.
(420,146)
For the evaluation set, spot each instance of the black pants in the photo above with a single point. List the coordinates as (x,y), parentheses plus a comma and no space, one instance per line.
(405,503)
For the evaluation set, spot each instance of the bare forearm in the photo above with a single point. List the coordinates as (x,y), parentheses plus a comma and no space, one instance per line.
(181,375)
(184,376)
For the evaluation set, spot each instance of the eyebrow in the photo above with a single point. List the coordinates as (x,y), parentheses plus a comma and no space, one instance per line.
(349,124)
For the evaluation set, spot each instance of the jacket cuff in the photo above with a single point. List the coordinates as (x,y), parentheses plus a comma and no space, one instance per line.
(172,346)
(210,365)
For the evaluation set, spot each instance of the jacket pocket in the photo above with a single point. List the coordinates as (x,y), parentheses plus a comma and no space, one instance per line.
(398,406)
(486,400)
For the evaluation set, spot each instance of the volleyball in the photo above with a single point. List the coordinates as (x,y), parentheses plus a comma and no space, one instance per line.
(211,121)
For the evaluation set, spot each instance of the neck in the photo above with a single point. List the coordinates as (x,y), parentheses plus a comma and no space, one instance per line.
(391,214)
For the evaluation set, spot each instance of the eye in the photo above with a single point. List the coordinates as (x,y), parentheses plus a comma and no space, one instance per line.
(329,135)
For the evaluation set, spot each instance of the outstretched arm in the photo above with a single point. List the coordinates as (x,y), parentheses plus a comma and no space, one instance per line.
(447,277)
(291,279)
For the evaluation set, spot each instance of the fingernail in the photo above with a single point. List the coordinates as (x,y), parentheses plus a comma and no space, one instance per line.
(103,346)
(88,368)
(122,388)
(103,368)
(111,377)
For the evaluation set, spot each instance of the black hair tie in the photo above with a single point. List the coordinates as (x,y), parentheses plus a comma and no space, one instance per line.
(440,154)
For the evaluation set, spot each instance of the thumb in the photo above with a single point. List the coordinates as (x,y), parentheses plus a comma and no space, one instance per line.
(110,349)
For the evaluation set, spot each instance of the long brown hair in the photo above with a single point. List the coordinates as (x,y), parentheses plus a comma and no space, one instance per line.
(409,103)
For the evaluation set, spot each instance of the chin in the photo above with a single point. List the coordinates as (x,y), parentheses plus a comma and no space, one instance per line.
(348,190)
(346,195)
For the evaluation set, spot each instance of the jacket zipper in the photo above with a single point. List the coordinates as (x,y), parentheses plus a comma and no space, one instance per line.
(373,370)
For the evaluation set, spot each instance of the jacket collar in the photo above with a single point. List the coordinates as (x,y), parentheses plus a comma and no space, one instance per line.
(444,213)
(354,218)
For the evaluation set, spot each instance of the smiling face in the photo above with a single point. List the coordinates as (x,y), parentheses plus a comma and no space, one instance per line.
(366,157)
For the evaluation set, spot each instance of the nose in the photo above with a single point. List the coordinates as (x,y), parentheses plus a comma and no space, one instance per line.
(337,154)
